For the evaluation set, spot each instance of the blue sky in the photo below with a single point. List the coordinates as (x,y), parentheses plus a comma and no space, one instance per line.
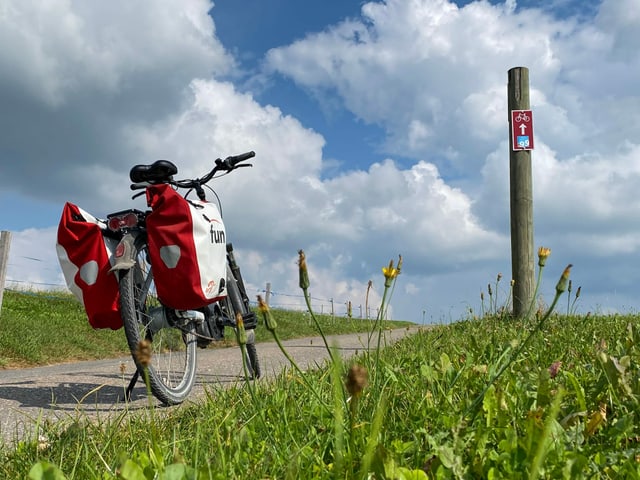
(379,127)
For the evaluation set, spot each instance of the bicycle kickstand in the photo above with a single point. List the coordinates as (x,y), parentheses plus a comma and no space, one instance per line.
(132,383)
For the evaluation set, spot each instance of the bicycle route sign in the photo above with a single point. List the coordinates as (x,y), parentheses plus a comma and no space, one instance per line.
(522,129)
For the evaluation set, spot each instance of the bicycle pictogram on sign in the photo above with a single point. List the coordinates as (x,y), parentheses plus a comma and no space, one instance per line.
(521,130)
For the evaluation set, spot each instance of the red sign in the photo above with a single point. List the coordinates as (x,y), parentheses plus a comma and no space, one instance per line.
(521,130)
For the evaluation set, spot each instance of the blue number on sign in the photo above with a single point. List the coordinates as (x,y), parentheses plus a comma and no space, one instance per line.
(523,141)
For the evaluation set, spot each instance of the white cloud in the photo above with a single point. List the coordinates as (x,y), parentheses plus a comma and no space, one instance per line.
(93,90)
(32,260)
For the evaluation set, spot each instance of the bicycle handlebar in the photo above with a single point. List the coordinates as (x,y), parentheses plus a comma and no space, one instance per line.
(227,165)
(236,159)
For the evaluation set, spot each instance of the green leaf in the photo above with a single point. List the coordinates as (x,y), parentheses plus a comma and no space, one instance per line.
(406,474)
(490,404)
(131,471)
(178,471)
(46,471)
(579,391)
(445,363)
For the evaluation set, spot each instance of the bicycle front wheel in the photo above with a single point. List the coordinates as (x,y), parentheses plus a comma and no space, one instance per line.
(171,366)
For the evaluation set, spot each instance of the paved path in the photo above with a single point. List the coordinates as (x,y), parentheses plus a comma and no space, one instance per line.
(28,396)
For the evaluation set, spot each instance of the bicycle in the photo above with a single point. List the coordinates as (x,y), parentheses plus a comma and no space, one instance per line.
(173,334)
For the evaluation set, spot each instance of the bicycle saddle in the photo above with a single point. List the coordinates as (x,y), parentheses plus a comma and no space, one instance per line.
(158,172)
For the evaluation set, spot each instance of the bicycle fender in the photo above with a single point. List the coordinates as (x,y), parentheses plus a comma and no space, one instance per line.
(124,257)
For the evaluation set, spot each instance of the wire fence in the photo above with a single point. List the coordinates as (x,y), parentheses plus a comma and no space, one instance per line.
(277,299)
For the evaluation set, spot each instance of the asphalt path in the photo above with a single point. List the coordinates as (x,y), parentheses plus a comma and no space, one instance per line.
(31,396)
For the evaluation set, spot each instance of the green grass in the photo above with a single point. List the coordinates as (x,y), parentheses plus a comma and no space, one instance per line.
(48,328)
(566,407)
(551,397)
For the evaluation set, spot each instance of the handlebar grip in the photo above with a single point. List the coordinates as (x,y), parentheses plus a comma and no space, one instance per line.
(234,160)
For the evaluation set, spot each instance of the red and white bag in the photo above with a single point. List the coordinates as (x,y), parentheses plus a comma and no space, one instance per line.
(187,246)
(85,258)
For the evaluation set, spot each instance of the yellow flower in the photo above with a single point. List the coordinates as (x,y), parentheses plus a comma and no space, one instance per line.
(390,272)
(543,254)
(242,333)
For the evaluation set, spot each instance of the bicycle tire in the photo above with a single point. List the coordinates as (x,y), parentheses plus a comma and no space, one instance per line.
(172,367)
(234,304)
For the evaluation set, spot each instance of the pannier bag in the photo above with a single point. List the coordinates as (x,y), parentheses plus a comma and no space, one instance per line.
(187,246)
(85,258)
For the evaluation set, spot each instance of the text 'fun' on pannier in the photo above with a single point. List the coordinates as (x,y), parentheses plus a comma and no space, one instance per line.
(187,246)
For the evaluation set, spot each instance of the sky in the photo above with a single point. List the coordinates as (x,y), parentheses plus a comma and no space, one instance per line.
(380,129)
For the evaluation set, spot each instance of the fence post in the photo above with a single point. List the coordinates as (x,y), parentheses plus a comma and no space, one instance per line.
(267,294)
(5,243)
(521,199)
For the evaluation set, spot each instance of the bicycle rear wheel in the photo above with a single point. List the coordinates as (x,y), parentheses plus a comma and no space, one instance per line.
(172,365)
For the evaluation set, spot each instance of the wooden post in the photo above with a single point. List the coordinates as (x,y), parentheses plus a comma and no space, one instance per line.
(522,255)
(267,293)
(5,243)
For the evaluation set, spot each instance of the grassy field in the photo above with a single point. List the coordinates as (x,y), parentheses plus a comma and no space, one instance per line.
(550,397)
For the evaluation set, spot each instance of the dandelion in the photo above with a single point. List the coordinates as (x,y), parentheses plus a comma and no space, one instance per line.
(357,380)
(143,353)
(543,254)
(389,274)
(269,320)
(561,286)
(43,443)
(242,333)
(302,270)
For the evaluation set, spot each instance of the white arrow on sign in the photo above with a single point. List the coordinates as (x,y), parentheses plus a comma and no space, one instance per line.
(523,127)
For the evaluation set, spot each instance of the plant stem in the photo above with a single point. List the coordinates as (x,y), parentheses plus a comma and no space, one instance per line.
(307,299)
(514,355)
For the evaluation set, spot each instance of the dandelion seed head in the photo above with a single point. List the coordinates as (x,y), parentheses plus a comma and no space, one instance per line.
(357,380)
(143,353)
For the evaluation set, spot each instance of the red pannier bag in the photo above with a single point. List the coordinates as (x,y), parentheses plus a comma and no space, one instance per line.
(187,247)
(85,258)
